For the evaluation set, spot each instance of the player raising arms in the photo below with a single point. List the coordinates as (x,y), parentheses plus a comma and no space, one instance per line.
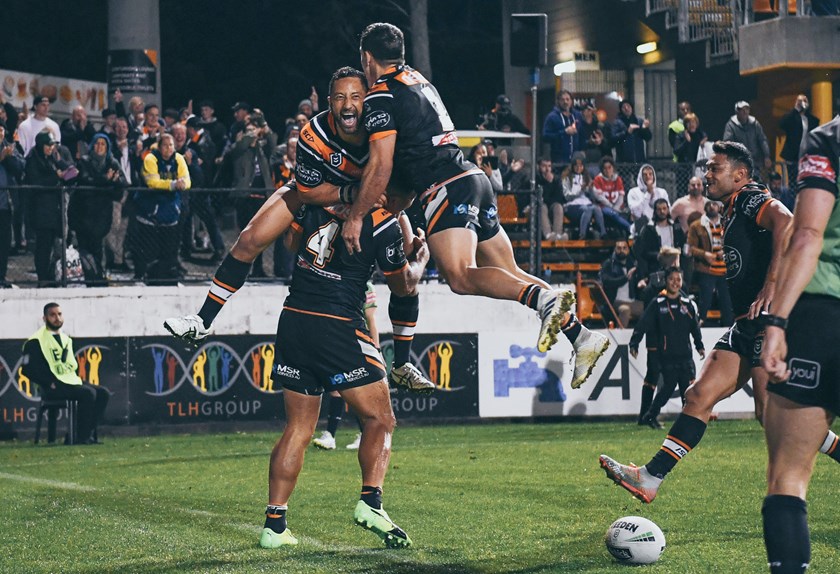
(754,234)
(331,153)
(411,135)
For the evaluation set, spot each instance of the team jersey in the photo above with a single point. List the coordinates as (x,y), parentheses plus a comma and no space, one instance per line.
(819,168)
(327,280)
(747,247)
(403,103)
(323,157)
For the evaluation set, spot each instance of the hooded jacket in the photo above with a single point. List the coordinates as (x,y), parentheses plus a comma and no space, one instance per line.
(640,201)
(91,209)
(630,147)
(751,135)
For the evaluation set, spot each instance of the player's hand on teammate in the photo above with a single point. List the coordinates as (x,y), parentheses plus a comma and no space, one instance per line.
(419,247)
(702,353)
(774,355)
(350,232)
(762,300)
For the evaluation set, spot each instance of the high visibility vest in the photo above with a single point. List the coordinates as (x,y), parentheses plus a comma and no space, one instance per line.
(60,358)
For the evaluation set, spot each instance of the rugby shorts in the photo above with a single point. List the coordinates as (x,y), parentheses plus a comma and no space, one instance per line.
(314,354)
(745,338)
(813,360)
(467,202)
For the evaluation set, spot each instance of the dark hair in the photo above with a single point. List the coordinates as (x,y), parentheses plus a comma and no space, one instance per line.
(661,200)
(561,92)
(542,159)
(149,107)
(347,72)
(672,269)
(774,175)
(49,306)
(385,42)
(737,153)
(605,160)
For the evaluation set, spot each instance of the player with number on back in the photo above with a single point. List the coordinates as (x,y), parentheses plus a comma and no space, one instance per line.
(413,138)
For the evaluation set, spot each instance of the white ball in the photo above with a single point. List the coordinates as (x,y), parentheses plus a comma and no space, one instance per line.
(635,540)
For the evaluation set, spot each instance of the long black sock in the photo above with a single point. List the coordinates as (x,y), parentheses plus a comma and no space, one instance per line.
(372,495)
(831,446)
(647,399)
(684,435)
(403,312)
(786,534)
(334,412)
(275,517)
(229,277)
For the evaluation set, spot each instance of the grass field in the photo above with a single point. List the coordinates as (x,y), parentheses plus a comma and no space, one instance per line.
(518,498)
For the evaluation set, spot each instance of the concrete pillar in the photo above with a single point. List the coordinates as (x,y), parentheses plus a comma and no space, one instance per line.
(821,98)
(134,49)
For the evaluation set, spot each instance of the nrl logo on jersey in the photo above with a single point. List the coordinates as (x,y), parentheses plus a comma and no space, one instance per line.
(335,159)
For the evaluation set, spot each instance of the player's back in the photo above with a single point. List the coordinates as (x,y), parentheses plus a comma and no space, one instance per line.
(404,103)
(327,280)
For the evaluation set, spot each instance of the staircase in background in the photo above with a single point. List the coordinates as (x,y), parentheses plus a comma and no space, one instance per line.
(710,21)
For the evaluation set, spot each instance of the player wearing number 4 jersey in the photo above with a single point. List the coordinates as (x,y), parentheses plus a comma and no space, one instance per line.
(323,345)
(331,152)
(412,137)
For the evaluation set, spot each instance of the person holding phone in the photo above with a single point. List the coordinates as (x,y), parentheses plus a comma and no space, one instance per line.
(489,164)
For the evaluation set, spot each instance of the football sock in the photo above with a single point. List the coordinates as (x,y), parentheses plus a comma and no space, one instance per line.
(334,412)
(530,296)
(786,534)
(403,312)
(275,517)
(229,277)
(684,435)
(647,399)
(830,446)
(572,328)
(372,496)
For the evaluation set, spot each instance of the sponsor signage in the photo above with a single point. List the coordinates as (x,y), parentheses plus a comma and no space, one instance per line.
(20,89)
(132,71)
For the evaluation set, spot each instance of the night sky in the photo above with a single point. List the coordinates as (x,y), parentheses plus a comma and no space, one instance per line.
(266,52)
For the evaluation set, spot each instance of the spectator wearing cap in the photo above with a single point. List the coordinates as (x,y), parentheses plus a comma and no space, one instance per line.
(11,169)
(501,118)
(241,111)
(46,170)
(90,212)
(8,115)
(594,136)
(744,128)
(109,120)
(77,133)
(779,191)
(630,133)
(561,130)
(29,128)
(309,106)
(211,126)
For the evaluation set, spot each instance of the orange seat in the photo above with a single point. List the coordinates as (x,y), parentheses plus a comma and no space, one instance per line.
(509,210)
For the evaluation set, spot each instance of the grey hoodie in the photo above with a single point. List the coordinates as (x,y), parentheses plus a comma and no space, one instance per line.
(751,135)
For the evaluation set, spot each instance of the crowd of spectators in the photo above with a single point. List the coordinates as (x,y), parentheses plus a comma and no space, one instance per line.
(125,186)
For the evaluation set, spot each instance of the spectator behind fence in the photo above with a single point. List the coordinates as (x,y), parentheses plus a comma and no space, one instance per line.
(252,173)
(488,164)
(796,124)
(123,151)
(744,128)
(29,128)
(705,240)
(8,115)
(50,362)
(551,210)
(152,128)
(211,127)
(686,206)
(677,126)
(109,121)
(577,189)
(630,134)
(619,278)
(501,118)
(561,128)
(640,199)
(608,189)
(77,133)
(157,210)
(12,166)
(91,211)
(777,189)
(661,231)
(690,140)
(45,169)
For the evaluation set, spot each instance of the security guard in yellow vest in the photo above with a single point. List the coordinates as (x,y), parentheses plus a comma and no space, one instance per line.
(49,361)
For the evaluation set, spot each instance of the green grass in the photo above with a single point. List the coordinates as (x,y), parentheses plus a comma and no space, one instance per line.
(517,498)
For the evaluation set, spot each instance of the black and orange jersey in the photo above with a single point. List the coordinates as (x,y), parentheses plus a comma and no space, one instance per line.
(327,280)
(747,247)
(403,103)
(323,157)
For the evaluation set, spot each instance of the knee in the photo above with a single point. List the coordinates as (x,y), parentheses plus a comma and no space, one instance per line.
(382,421)
(457,281)
(246,247)
(696,399)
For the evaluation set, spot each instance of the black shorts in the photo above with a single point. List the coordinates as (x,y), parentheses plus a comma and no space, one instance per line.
(314,354)
(468,202)
(745,338)
(813,360)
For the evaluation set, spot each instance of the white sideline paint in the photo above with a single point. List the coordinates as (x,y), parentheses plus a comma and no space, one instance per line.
(47,482)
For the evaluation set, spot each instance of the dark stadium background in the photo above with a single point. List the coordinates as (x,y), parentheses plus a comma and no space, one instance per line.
(266,52)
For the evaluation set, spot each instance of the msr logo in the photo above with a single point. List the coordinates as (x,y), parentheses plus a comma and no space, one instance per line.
(286,371)
(350,377)
(804,373)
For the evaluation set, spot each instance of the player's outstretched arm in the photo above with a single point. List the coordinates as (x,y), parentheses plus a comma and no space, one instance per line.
(375,180)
